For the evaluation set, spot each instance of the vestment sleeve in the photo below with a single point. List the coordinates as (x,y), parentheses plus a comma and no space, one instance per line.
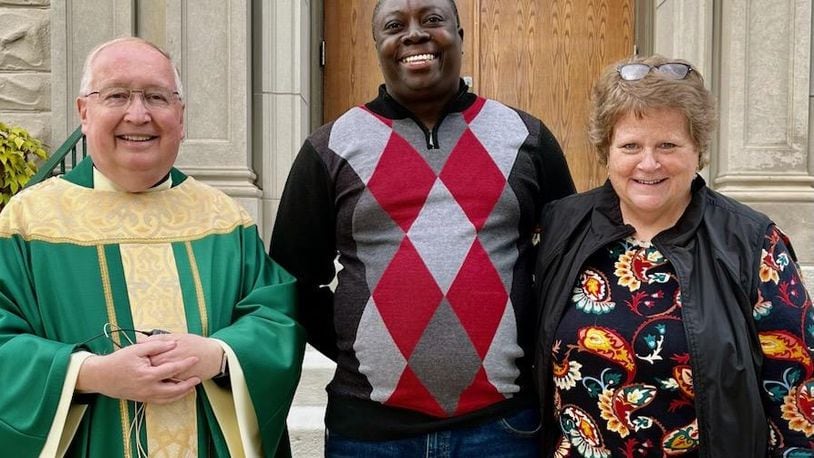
(266,341)
(304,243)
(33,370)
(785,325)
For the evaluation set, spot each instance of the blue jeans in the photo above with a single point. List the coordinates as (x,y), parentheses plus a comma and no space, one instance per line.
(515,436)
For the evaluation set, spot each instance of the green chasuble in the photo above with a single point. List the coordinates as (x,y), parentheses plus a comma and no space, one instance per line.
(77,260)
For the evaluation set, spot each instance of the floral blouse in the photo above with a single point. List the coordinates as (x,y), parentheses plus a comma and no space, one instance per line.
(622,376)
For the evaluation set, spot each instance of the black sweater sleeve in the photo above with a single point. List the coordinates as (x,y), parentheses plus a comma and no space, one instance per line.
(304,243)
(556,182)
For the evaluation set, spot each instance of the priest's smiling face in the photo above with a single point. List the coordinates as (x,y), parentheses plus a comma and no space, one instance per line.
(132,115)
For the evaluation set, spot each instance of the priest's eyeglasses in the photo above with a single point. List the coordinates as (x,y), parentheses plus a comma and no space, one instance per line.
(121,97)
(669,70)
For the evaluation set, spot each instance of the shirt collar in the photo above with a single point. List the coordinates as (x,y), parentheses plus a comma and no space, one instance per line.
(103,183)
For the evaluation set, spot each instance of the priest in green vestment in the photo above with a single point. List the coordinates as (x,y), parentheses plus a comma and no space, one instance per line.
(139,313)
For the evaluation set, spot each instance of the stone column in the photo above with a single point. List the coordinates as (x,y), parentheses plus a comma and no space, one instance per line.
(684,30)
(281,94)
(209,39)
(764,158)
(25,66)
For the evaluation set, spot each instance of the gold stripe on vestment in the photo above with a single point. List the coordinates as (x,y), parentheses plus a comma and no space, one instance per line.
(196,279)
(156,302)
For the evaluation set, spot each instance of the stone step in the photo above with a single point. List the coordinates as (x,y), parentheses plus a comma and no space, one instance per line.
(306,431)
(317,372)
(306,427)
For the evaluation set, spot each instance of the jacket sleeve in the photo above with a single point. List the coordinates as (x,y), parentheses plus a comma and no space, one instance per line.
(556,181)
(303,242)
(785,325)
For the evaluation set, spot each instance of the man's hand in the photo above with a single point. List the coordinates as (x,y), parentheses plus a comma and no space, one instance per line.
(207,352)
(129,373)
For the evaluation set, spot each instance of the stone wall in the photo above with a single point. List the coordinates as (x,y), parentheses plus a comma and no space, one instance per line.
(25,66)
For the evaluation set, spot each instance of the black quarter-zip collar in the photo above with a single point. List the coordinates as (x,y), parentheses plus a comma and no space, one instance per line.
(385,105)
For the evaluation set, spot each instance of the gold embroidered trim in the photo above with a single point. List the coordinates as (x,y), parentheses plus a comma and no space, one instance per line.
(111,318)
(125,422)
(196,278)
(108,290)
(58,211)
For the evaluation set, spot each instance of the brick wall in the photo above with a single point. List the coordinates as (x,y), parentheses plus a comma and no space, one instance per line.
(25,66)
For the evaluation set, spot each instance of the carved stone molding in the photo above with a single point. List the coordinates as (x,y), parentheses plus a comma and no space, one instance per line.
(764,95)
(25,2)
(768,188)
(235,181)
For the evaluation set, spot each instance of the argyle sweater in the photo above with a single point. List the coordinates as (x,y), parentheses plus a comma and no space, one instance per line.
(431,320)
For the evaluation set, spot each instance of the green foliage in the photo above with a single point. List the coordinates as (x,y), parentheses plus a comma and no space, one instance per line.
(19,153)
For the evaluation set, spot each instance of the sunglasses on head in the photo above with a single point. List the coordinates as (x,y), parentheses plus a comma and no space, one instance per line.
(670,70)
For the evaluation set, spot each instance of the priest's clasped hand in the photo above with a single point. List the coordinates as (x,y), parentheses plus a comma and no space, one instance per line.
(208,352)
(133,373)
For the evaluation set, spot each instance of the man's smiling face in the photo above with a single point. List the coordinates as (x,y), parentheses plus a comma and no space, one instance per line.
(134,145)
(419,44)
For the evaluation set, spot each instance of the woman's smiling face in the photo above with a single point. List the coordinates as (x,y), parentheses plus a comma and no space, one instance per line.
(652,161)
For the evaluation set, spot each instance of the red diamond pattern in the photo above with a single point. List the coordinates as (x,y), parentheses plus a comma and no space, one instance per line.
(478,288)
(480,393)
(473,178)
(472,112)
(407,297)
(412,394)
(401,182)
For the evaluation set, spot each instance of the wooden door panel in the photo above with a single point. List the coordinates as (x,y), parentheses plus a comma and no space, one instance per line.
(541,56)
(351,73)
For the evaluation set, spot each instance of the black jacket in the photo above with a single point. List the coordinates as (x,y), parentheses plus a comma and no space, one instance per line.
(715,248)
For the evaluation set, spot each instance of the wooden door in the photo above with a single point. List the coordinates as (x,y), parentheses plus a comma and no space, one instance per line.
(541,56)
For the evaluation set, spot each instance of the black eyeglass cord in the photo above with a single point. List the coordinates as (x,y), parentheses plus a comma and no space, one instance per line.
(108,330)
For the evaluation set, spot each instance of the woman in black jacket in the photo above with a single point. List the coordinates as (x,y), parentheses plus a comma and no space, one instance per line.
(674,320)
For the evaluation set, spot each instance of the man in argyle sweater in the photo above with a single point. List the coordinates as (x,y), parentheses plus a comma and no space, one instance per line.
(429,194)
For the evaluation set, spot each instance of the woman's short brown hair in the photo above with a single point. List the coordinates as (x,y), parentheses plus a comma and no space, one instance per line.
(613,97)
